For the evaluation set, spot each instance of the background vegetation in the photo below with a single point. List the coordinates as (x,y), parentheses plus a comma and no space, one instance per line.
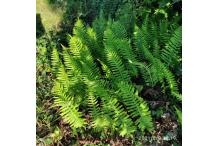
(157,20)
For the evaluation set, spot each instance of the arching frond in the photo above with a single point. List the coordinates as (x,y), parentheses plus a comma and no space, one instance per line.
(170,55)
(136,106)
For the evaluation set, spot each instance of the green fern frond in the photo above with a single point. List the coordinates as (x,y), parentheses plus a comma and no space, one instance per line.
(137,44)
(118,30)
(105,69)
(72,65)
(116,66)
(110,111)
(155,46)
(99,26)
(123,48)
(95,112)
(123,122)
(68,108)
(59,90)
(63,78)
(88,38)
(90,70)
(141,42)
(177,95)
(170,54)
(101,119)
(179,115)
(136,106)
(147,75)
(70,112)
(55,60)
(93,106)
(163,33)
(170,79)
(76,46)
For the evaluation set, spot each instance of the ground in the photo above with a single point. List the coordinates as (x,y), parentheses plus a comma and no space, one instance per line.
(51,16)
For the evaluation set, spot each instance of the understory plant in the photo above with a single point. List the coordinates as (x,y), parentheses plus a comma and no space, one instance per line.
(98,76)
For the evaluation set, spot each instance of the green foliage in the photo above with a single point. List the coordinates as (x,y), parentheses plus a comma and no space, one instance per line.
(45,118)
(179,115)
(173,48)
(98,81)
(103,70)
(136,106)
(149,43)
(103,95)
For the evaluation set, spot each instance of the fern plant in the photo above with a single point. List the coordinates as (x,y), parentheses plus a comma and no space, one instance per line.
(95,75)
(159,47)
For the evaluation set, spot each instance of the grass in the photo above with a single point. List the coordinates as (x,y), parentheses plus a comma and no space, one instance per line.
(51,16)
